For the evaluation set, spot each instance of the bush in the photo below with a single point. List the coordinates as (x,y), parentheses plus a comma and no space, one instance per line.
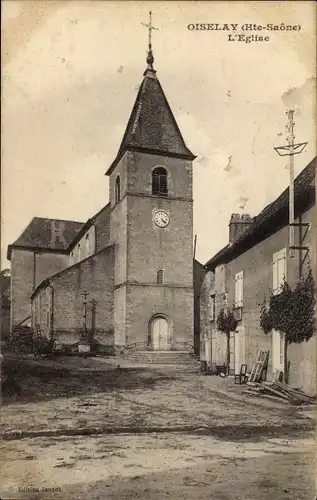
(21,340)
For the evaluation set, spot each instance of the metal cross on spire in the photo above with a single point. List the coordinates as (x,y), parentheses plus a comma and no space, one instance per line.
(150,58)
(150,27)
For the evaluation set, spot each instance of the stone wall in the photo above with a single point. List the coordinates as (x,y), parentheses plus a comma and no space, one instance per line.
(28,270)
(95,276)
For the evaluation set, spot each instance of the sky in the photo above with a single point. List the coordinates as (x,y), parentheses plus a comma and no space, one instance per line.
(70,75)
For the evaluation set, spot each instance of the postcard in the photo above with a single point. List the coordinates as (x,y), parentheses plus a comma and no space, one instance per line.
(158,250)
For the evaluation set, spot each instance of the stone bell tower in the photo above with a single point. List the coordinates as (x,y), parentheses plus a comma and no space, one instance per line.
(151,225)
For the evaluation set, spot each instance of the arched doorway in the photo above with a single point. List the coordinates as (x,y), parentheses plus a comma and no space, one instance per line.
(160,333)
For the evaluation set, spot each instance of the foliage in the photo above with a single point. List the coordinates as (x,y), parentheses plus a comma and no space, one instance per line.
(42,345)
(21,340)
(226,321)
(292,311)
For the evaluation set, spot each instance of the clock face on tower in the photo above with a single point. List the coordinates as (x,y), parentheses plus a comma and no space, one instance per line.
(161,219)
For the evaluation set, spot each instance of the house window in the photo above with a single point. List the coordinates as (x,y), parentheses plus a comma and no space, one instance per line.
(212,308)
(238,289)
(159,277)
(159,181)
(117,195)
(279,270)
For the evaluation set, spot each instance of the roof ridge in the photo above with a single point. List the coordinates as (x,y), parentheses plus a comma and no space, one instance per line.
(268,211)
(54,218)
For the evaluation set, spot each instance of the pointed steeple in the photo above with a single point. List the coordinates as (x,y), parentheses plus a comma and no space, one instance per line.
(152,127)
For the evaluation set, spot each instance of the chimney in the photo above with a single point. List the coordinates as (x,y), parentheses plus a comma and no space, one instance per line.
(237,225)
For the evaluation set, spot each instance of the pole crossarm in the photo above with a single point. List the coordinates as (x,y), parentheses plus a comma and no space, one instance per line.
(291,150)
(301,224)
(300,248)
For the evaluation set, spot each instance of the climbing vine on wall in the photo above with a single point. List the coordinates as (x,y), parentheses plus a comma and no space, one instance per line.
(291,312)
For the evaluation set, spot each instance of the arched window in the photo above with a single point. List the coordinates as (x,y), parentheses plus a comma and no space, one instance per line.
(159,181)
(87,244)
(159,277)
(117,196)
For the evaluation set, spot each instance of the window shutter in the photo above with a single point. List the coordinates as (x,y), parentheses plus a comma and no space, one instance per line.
(279,269)
(236,289)
(282,266)
(241,290)
(238,300)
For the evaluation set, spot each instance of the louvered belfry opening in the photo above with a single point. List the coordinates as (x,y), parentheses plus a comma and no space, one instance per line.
(159,182)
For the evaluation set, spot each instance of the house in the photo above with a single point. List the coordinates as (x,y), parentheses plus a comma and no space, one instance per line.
(256,260)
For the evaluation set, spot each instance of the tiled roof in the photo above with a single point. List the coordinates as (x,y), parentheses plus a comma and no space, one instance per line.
(152,126)
(47,234)
(270,219)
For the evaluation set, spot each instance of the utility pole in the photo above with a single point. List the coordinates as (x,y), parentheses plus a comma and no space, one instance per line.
(290,150)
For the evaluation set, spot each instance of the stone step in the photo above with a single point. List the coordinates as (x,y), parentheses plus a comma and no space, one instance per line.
(162,357)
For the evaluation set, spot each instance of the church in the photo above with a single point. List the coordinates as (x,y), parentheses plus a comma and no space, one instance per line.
(126,278)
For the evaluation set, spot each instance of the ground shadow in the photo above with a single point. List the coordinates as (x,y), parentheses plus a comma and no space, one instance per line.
(29,380)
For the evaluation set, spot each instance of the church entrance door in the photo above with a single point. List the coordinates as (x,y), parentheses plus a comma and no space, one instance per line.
(159,333)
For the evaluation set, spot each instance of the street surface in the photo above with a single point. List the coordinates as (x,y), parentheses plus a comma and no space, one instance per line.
(83,428)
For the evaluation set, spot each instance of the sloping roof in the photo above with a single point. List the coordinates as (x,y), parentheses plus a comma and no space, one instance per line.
(152,126)
(66,270)
(272,217)
(84,228)
(47,234)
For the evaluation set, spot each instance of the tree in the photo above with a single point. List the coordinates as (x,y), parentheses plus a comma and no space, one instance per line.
(226,323)
(291,312)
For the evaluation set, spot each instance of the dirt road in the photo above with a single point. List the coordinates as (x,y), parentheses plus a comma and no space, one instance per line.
(156,433)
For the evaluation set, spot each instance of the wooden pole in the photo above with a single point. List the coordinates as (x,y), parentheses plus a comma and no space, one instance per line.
(290,140)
